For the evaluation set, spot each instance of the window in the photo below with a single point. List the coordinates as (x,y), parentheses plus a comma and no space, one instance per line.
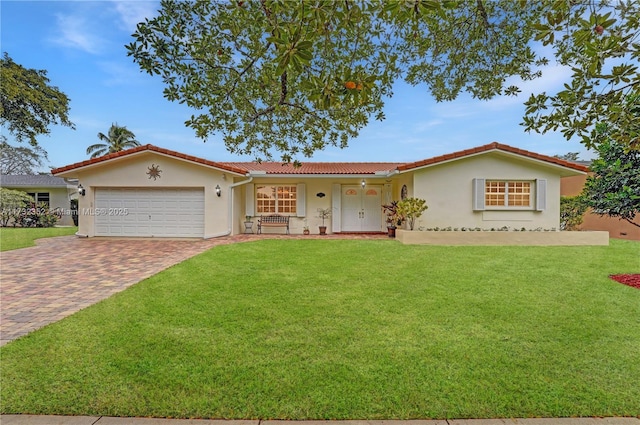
(40,197)
(507,194)
(276,199)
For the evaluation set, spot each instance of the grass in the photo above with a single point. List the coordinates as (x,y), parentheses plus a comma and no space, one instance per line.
(313,329)
(15,238)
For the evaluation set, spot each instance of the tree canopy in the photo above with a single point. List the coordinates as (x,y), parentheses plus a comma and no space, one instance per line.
(117,139)
(295,77)
(29,105)
(614,187)
(20,159)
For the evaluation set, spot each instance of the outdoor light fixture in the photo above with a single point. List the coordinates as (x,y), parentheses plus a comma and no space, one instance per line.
(81,190)
(218,190)
(363,183)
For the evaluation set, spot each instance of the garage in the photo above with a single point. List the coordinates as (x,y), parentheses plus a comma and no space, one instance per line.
(149,212)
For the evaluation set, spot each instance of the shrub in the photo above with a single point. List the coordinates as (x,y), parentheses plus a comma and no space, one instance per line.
(410,209)
(12,204)
(572,209)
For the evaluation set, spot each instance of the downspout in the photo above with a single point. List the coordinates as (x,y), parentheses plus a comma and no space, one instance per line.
(230,216)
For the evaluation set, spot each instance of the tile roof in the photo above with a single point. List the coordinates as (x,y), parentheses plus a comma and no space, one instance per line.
(38,180)
(491,147)
(144,148)
(318,168)
(328,168)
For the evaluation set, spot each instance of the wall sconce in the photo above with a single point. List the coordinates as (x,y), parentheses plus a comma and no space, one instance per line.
(218,190)
(81,190)
(363,183)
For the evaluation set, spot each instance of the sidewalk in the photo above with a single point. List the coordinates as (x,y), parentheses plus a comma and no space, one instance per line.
(104,420)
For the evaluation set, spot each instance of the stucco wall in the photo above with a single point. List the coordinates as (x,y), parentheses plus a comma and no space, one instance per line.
(448,190)
(621,229)
(132,171)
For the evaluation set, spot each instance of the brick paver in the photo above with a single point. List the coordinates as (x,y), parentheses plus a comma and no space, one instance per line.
(59,276)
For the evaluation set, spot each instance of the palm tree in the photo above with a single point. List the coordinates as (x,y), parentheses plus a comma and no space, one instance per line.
(119,138)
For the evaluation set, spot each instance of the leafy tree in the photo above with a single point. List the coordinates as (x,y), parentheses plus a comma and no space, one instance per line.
(20,159)
(29,105)
(118,139)
(296,77)
(410,209)
(599,42)
(614,188)
(569,156)
(12,204)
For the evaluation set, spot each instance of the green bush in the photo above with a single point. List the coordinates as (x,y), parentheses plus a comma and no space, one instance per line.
(572,209)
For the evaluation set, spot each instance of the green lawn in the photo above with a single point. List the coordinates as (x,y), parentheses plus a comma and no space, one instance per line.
(323,329)
(14,238)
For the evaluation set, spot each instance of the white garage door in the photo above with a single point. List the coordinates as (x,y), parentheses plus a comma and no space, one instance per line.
(149,212)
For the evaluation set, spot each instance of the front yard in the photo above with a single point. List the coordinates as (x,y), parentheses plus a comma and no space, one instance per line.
(15,238)
(298,329)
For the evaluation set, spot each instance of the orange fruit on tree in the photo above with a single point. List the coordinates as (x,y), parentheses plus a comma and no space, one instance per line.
(350,85)
(359,86)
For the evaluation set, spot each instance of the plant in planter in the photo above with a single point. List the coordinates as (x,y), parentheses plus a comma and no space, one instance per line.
(410,209)
(394,218)
(248,224)
(305,228)
(323,213)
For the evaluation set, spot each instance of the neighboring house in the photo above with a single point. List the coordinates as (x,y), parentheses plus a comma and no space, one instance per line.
(152,191)
(621,229)
(44,188)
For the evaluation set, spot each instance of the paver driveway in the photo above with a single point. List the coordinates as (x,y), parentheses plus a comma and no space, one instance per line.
(59,276)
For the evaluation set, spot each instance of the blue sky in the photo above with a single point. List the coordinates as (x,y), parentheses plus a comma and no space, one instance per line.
(81,45)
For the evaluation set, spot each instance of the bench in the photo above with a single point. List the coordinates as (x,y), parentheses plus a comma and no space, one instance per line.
(273,220)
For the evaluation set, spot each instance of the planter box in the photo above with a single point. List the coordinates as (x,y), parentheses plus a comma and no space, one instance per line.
(408,237)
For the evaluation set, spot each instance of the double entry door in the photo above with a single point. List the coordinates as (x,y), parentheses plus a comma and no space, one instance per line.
(361,208)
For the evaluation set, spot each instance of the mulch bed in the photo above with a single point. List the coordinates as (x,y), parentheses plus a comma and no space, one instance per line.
(632,280)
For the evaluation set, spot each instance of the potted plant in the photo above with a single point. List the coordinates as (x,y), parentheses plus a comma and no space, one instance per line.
(248,224)
(323,213)
(394,218)
(410,209)
(305,228)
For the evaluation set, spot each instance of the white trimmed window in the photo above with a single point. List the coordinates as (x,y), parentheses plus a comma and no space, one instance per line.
(40,197)
(276,199)
(507,193)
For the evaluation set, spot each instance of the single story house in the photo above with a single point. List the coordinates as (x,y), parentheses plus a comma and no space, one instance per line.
(55,192)
(148,191)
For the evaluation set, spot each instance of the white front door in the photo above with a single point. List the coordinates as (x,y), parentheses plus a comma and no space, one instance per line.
(361,208)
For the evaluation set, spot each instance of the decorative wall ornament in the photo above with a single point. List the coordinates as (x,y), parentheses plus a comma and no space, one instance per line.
(154,171)
(320,195)
(403,192)
(351,192)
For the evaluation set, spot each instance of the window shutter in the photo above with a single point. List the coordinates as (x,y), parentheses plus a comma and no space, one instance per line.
(541,194)
(249,203)
(301,200)
(336,201)
(478,194)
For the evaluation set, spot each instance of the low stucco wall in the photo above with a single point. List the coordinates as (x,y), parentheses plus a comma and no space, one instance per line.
(502,238)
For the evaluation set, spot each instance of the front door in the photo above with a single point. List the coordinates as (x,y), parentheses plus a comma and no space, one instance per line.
(361,208)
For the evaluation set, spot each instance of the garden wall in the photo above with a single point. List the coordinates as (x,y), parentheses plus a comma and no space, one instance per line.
(408,237)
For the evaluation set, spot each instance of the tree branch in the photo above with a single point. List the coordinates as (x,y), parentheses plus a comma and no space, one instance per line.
(628,220)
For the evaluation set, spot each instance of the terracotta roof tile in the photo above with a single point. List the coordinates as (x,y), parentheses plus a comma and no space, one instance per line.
(143,148)
(318,168)
(490,147)
(326,168)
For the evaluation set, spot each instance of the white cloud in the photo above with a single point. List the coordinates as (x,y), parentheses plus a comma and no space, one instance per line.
(121,73)
(73,31)
(133,12)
